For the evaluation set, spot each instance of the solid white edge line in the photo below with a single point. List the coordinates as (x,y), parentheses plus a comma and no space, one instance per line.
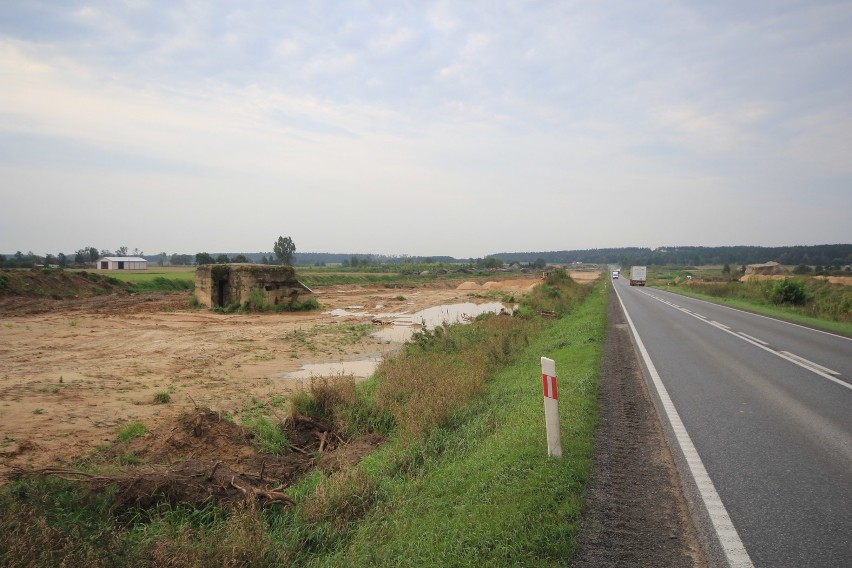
(726,533)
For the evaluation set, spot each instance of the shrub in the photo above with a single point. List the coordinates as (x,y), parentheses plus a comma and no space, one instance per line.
(789,291)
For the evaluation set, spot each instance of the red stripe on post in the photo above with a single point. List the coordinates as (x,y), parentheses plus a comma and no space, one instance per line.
(548,385)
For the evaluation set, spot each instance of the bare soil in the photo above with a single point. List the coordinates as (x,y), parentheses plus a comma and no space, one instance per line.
(636,513)
(73,370)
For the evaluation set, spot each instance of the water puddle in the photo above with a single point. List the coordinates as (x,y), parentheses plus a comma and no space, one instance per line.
(359,369)
(396,328)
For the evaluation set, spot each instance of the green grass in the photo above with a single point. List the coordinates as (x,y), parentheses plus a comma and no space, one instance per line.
(153,280)
(130,431)
(267,437)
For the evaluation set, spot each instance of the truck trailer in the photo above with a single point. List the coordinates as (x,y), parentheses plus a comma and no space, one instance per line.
(637,275)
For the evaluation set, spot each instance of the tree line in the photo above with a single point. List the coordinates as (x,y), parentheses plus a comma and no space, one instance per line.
(831,257)
(839,255)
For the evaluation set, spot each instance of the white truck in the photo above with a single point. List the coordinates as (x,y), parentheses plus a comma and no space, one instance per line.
(637,275)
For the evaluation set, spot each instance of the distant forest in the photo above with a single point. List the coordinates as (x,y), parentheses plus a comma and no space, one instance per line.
(818,255)
(828,256)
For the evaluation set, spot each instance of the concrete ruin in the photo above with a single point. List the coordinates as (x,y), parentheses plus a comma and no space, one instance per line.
(765,269)
(223,285)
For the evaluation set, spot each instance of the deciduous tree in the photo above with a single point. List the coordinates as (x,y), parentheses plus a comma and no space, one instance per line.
(204,258)
(284,248)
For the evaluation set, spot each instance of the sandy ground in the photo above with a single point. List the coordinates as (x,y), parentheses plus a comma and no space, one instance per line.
(71,372)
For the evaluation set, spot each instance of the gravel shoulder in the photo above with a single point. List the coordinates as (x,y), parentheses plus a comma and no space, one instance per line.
(636,513)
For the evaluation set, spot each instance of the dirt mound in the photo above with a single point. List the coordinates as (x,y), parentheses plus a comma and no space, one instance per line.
(469,286)
(57,284)
(202,455)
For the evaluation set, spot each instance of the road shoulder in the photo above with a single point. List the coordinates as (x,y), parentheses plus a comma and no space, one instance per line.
(636,514)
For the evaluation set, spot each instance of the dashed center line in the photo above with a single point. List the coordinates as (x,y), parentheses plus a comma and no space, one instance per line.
(793,358)
(808,363)
(747,336)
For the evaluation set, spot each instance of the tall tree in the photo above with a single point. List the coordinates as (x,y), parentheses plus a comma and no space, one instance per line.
(121,251)
(94,255)
(204,258)
(284,248)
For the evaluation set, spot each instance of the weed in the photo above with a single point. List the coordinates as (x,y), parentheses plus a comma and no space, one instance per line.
(38,411)
(268,438)
(342,498)
(162,398)
(130,431)
(129,458)
(73,323)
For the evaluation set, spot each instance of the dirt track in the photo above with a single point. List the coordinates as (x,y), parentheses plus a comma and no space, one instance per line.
(74,370)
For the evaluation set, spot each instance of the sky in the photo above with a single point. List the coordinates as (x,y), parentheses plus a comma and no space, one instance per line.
(459,128)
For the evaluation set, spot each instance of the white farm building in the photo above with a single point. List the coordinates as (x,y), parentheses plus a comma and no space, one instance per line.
(122,263)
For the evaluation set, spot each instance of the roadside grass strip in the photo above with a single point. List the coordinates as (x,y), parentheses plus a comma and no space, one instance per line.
(490,495)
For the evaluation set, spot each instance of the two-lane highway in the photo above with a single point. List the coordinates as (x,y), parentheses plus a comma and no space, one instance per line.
(767,408)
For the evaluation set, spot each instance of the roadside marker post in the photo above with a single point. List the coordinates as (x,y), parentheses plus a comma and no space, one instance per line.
(551,407)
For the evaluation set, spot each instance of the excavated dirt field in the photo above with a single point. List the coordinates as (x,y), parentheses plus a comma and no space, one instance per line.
(74,370)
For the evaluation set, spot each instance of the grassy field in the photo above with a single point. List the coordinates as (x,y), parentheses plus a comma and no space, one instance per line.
(463,480)
(809,301)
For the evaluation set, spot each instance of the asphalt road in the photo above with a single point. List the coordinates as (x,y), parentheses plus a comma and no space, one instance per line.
(768,407)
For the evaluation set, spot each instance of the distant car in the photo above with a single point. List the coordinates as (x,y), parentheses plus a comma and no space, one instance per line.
(615,274)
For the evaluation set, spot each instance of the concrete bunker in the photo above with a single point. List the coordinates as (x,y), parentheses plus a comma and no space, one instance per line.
(222,285)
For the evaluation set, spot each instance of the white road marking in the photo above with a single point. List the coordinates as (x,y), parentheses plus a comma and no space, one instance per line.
(795,359)
(726,534)
(808,363)
(747,336)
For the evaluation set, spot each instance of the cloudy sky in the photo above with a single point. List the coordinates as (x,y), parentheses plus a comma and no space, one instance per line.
(426,128)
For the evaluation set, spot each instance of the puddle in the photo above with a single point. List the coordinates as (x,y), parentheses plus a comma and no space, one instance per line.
(360,369)
(398,327)
(395,328)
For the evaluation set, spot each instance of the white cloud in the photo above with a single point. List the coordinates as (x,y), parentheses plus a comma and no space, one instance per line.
(449,116)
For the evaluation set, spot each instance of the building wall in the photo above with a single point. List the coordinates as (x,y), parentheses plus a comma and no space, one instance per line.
(128,265)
